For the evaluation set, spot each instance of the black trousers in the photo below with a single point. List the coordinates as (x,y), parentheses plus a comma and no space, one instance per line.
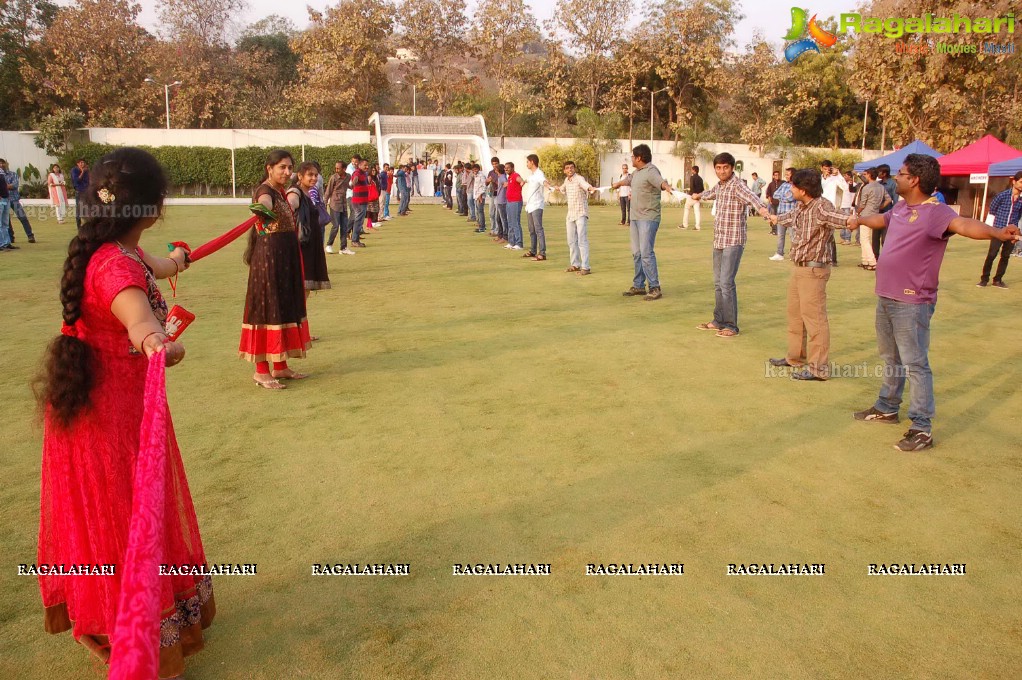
(626,208)
(879,236)
(1005,248)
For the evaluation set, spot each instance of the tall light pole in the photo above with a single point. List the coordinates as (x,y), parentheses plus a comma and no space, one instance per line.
(166,95)
(414,85)
(651,93)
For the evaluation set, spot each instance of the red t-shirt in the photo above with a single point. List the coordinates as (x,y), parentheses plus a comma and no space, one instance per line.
(514,189)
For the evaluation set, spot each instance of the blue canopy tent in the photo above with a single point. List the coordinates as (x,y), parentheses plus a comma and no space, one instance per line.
(897,158)
(1006,168)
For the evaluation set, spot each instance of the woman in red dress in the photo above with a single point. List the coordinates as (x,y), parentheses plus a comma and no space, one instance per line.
(92,392)
(275,327)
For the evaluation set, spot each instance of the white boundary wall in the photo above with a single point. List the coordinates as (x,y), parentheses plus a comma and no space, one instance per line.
(292,140)
(19,148)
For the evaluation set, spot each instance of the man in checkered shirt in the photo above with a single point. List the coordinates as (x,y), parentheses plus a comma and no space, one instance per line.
(1006,209)
(729,235)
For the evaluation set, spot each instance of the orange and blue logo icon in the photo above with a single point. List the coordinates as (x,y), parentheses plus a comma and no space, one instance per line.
(798,43)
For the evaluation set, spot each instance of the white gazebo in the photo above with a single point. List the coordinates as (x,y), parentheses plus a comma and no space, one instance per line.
(464,131)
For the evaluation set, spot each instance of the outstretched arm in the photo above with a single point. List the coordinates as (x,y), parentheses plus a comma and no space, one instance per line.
(979,231)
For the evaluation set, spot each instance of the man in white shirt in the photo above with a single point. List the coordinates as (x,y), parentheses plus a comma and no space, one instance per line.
(532,194)
(834,189)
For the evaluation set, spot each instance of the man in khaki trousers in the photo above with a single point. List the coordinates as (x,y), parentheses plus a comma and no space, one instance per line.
(812,226)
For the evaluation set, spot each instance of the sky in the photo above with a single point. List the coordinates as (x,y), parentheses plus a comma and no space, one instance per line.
(772,18)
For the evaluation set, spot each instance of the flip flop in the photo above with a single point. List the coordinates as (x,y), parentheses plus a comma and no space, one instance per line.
(708,326)
(273,384)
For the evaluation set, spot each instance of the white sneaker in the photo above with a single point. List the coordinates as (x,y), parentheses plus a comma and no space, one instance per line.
(330,250)
(516,248)
(508,246)
(777,258)
(347,251)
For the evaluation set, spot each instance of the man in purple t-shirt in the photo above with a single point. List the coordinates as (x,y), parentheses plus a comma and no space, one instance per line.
(918,229)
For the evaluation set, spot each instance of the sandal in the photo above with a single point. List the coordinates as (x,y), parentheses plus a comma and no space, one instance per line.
(539,258)
(708,326)
(726,333)
(271,384)
(292,374)
(313,338)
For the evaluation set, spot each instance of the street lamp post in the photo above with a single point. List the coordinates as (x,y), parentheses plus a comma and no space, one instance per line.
(414,85)
(166,95)
(651,93)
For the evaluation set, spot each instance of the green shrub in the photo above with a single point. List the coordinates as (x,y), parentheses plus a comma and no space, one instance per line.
(843,160)
(553,156)
(202,170)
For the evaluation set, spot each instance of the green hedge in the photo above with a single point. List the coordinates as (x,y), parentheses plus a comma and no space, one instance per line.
(205,170)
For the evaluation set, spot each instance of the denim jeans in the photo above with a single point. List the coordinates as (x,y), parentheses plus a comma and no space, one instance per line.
(385,202)
(471,208)
(501,221)
(339,224)
(537,237)
(358,218)
(403,199)
(493,216)
(903,338)
(5,236)
(781,232)
(725,293)
(19,212)
(514,223)
(643,237)
(578,242)
(481,214)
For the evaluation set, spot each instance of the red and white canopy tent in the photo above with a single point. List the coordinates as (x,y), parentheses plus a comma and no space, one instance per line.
(974,161)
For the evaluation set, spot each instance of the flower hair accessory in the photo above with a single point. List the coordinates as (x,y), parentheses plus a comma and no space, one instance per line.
(105,196)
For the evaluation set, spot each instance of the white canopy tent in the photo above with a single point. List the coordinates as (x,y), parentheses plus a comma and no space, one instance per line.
(465,132)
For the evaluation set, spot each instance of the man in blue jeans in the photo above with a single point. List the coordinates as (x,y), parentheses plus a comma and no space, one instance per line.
(730,230)
(385,181)
(918,229)
(5,236)
(403,188)
(14,202)
(646,183)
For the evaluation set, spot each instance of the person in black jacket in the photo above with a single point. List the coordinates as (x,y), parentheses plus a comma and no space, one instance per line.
(695,186)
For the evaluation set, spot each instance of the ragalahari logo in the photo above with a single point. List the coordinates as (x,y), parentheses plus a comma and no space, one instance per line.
(798,44)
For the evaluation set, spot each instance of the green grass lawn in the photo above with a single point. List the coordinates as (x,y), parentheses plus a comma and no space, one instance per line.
(468,406)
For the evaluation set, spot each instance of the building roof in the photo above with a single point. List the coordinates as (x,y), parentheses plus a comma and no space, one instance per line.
(437,126)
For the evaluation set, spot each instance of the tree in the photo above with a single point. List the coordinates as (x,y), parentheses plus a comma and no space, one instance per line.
(267,68)
(945,100)
(692,43)
(22,22)
(55,130)
(592,27)
(197,53)
(836,119)
(435,31)
(502,29)
(95,58)
(342,54)
(766,96)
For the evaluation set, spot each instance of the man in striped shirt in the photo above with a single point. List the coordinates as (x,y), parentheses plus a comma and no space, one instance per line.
(359,187)
(730,231)
(812,250)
